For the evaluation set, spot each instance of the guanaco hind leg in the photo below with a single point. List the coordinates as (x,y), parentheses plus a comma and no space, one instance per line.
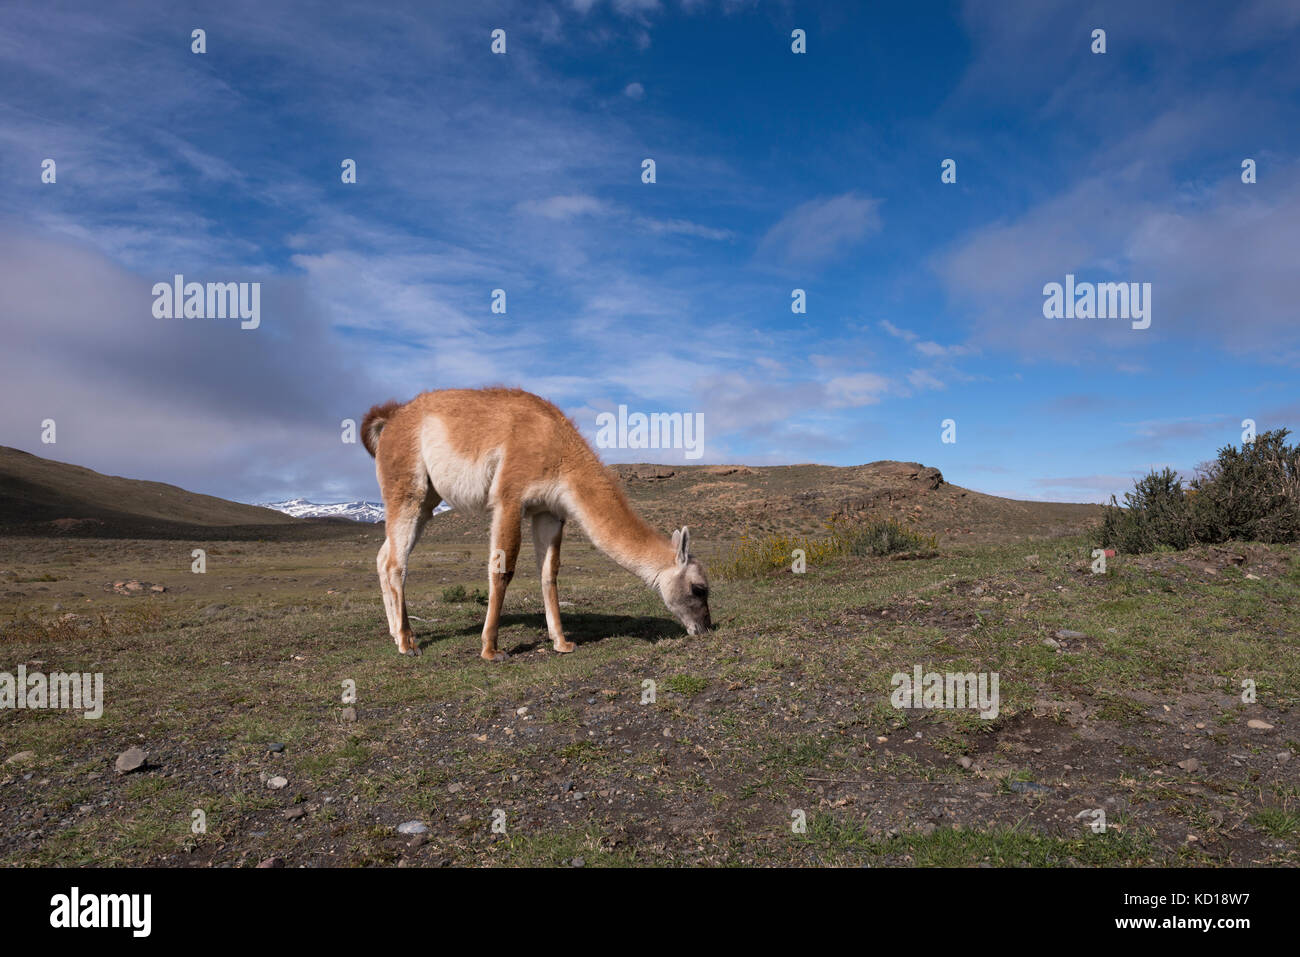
(503,552)
(548,530)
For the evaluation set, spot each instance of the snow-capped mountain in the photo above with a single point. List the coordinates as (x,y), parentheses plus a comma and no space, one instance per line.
(357,511)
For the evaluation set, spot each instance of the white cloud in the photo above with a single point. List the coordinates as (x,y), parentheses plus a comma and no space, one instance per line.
(896,332)
(921,379)
(851,391)
(562,207)
(821,229)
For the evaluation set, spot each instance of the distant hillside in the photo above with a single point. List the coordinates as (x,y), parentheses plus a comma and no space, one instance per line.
(723,502)
(41,495)
(720,503)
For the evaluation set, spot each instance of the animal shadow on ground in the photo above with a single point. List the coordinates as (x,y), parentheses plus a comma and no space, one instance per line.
(580,629)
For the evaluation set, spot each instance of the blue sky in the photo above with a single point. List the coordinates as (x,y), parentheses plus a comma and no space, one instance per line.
(775,171)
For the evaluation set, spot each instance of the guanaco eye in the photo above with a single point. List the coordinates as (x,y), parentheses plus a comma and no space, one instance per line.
(700,591)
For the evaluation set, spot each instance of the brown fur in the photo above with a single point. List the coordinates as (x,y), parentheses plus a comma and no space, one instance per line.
(374,423)
(518,456)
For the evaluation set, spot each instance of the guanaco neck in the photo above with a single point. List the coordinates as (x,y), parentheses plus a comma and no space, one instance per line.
(617,530)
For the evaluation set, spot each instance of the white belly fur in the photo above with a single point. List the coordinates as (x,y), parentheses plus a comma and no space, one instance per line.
(464,484)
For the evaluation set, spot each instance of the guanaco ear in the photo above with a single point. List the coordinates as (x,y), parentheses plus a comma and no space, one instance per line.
(682,545)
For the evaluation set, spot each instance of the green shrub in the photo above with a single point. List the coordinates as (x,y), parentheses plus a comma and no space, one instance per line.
(1248,494)
(456,593)
(1157,512)
(1251,493)
(884,536)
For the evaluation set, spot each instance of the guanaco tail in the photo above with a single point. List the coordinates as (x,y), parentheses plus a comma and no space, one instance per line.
(515,454)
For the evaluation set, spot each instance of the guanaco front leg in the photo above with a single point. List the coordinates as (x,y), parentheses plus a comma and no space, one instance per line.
(548,530)
(501,568)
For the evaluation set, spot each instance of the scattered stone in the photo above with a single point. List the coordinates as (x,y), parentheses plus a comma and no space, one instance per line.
(1253,578)
(1259,725)
(275,747)
(296,813)
(272,862)
(578,862)
(412,827)
(1191,764)
(1051,643)
(22,757)
(277,782)
(1066,634)
(132,759)
(521,711)
(1283,757)
(348,715)
(418,841)
(158,588)
(453,788)
(965,761)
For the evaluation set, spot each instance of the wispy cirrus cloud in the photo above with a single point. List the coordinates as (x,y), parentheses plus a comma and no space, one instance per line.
(821,229)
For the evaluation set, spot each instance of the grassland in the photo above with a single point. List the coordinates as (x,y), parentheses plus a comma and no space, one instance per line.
(236,676)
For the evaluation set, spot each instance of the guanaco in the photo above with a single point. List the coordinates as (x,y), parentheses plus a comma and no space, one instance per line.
(515,454)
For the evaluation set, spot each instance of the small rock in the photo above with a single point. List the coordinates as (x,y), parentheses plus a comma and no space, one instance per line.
(578,862)
(1283,757)
(1259,725)
(22,757)
(1253,578)
(413,827)
(272,862)
(521,711)
(295,813)
(348,715)
(1066,634)
(1191,764)
(277,782)
(964,761)
(418,841)
(1051,643)
(453,788)
(275,747)
(158,588)
(132,759)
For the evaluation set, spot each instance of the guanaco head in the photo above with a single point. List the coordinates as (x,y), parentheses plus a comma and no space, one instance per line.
(684,588)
